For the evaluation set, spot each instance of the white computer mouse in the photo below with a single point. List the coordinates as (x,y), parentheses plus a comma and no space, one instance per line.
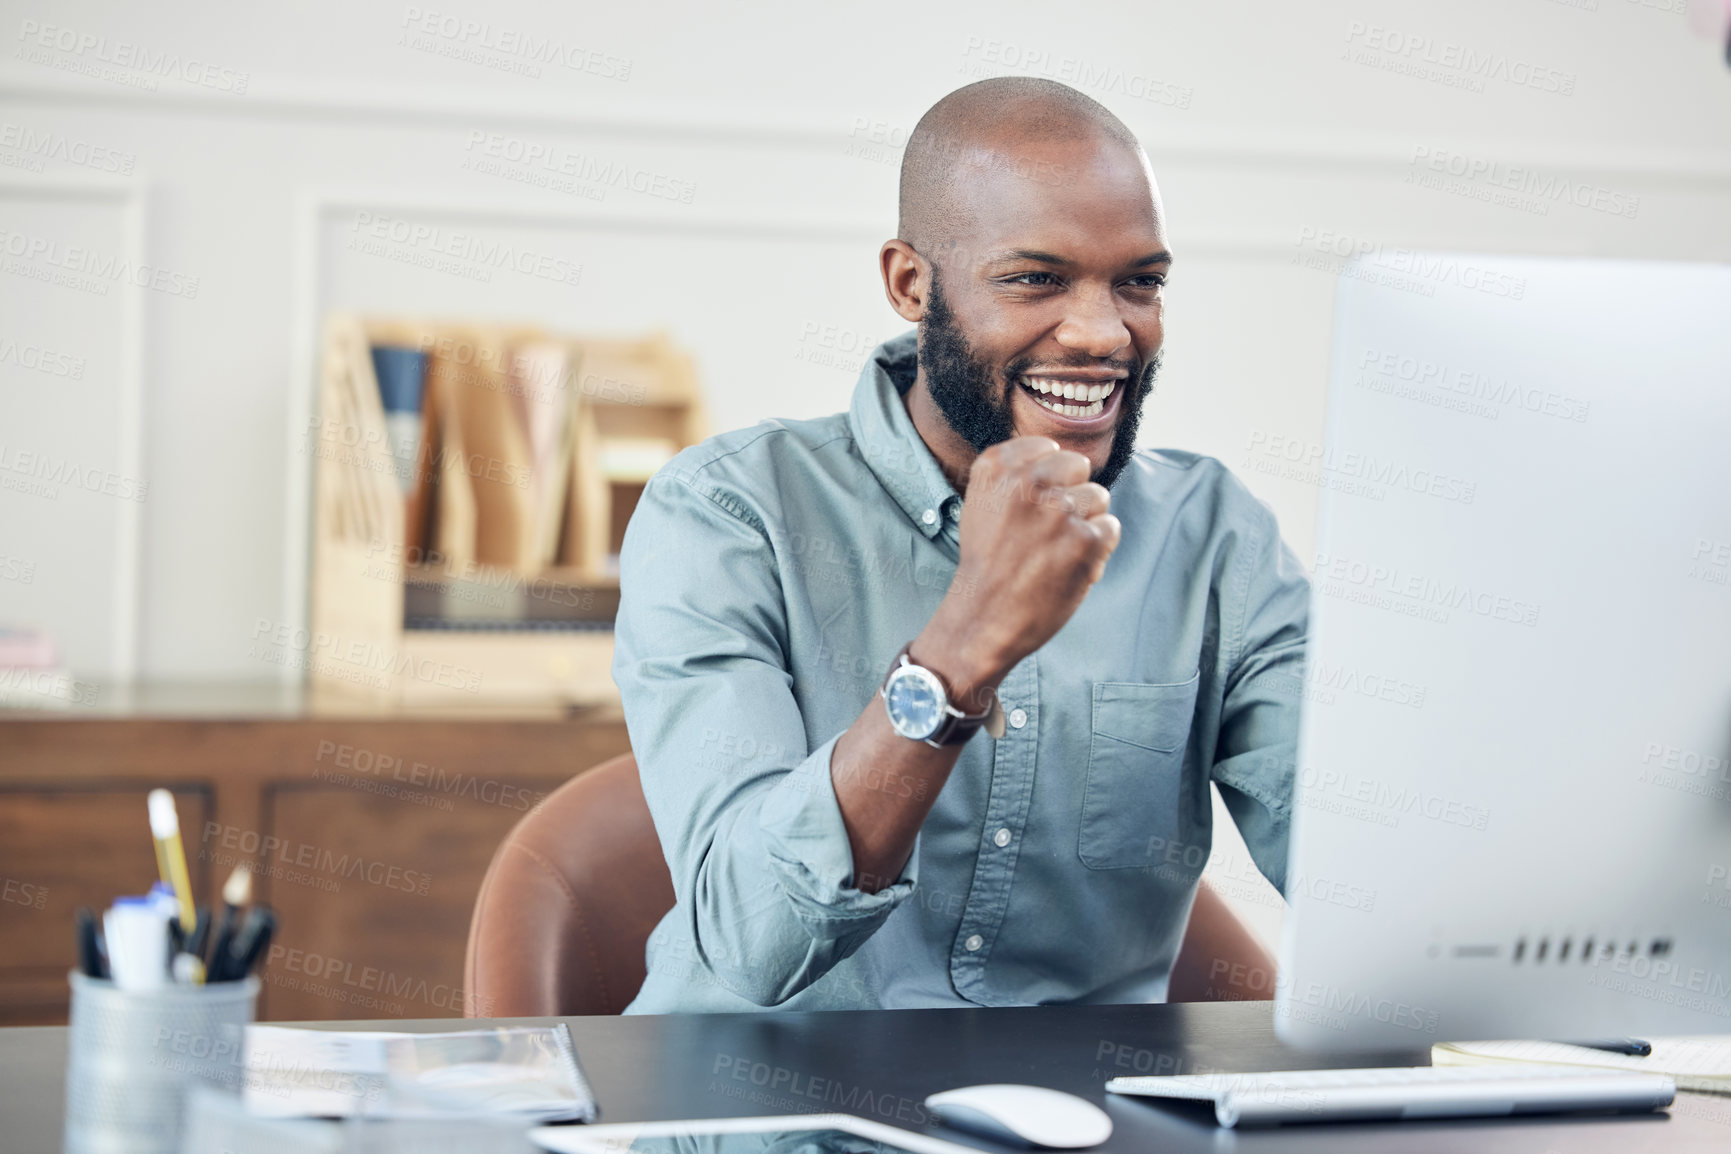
(1023,1115)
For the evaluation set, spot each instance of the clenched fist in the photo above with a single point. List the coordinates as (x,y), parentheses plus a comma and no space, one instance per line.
(1036,535)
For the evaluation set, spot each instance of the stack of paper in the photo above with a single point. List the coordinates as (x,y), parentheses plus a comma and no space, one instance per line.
(526,1073)
(1702,1064)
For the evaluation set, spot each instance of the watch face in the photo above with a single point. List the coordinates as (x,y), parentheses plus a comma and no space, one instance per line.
(915,702)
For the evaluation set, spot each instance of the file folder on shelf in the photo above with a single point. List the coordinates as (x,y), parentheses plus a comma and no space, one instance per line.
(430,573)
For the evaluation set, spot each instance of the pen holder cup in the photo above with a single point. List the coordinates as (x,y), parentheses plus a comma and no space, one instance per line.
(133,1055)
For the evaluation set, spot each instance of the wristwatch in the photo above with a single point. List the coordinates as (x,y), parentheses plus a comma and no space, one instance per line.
(918,704)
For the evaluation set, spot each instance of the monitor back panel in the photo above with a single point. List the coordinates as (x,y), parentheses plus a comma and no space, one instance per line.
(1513,813)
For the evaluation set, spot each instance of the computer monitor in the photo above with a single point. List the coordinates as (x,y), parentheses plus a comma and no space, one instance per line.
(1513,809)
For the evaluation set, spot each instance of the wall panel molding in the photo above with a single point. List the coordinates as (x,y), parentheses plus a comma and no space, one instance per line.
(127,198)
(295,99)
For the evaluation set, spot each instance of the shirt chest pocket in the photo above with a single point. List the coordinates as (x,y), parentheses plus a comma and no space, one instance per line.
(1133,806)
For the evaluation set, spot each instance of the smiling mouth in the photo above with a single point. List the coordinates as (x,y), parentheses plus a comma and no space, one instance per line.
(1077,400)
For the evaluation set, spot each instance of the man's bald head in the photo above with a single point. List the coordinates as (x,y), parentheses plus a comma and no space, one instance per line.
(991,125)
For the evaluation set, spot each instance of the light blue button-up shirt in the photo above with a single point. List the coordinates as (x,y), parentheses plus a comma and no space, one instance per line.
(770,575)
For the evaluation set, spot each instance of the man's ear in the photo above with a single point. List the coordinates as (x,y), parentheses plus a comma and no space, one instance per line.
(906,279)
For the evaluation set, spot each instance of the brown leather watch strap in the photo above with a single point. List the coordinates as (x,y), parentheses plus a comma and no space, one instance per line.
(956,727)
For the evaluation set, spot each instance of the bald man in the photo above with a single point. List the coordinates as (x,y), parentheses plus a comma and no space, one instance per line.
(927,697)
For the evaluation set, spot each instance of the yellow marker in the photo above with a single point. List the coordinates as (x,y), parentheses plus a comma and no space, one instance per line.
(171,856)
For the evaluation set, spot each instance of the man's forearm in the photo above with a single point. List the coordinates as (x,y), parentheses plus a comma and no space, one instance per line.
(885,784)
(1035,537)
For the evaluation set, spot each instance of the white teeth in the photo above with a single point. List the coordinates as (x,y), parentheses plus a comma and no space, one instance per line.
(1079,412)
(1092,397)
(1070,390)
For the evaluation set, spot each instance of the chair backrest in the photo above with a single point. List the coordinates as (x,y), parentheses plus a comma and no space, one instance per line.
(568,903)
(574,890)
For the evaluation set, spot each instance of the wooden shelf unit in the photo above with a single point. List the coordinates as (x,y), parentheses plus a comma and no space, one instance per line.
(631,404)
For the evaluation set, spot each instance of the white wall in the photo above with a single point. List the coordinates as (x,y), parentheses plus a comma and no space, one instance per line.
(274,129)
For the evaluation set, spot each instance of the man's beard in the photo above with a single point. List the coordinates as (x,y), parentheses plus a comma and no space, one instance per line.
(968,393)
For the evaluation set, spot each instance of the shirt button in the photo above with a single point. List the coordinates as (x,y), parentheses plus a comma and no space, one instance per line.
(1002,838)
(1018,718)
(930,517)
(974,942)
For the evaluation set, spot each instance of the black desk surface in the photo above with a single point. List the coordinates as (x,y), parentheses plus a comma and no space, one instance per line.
(882,1064)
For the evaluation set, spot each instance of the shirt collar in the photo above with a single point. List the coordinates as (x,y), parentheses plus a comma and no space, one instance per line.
(891,446)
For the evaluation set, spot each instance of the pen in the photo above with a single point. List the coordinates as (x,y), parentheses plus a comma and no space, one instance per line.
(184,964)
(200,935)
(90,950)
(248,946)
(1633,1047)
(261,941)
(171,855)
(236,892)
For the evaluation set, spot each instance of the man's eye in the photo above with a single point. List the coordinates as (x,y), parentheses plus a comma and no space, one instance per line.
(1035,279)
(1148,280)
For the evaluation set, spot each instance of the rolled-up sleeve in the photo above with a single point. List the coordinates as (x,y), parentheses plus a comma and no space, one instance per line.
(1258,746)
(742,802)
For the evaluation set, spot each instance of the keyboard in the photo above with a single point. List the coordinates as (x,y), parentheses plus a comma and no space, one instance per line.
(1405,1092)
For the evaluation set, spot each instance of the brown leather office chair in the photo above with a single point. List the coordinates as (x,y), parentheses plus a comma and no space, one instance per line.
(575,889)
(568,902)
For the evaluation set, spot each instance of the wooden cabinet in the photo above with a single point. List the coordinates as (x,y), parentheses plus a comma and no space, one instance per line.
(64,844)
(368,833)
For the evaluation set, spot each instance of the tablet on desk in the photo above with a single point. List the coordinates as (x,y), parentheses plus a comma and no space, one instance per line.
(783,1134)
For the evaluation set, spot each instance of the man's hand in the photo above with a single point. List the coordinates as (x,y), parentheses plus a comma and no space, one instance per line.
(1036,536)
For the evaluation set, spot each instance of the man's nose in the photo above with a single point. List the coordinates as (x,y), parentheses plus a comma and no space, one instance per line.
(1093,326)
